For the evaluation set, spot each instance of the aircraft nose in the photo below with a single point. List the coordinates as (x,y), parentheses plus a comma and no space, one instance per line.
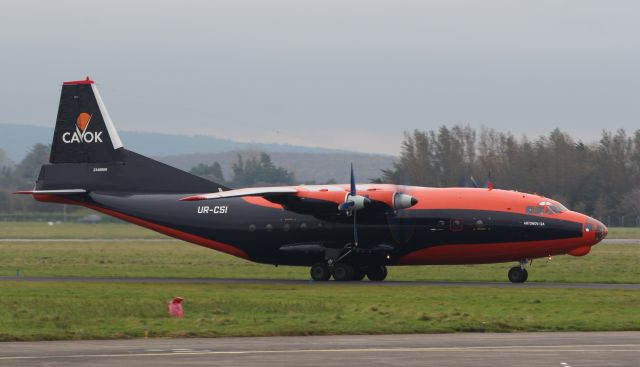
(601,231)
(595,231)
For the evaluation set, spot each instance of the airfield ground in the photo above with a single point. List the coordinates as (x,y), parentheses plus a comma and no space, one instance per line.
(80,310)
(81,250)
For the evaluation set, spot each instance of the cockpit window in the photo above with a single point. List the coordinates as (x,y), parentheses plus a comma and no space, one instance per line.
(552,209)
(546,207)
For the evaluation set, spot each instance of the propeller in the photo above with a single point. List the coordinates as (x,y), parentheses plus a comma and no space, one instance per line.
(353,194)
(488,184)
(474,183)
(352,203)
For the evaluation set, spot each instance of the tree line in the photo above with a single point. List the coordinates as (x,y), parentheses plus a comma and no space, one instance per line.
(253,171)
(600,178)
(22,176)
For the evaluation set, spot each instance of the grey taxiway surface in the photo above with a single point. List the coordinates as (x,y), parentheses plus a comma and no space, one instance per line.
(516,349)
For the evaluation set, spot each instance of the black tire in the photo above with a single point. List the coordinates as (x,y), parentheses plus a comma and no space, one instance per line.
(518,275)
(343,272)
(377,273)
(320,272)
(359,273)
(525,275)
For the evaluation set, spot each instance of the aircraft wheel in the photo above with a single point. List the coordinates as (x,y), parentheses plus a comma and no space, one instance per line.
(320,272)
(377,273)
(518,275)
(343,272)
(359,273)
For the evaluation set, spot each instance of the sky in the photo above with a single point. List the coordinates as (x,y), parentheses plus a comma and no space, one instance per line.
(338,74)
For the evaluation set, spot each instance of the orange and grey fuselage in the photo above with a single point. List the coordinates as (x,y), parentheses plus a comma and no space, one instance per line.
(302,225)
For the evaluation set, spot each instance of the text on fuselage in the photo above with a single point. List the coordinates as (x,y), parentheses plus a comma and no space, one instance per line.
(219,209)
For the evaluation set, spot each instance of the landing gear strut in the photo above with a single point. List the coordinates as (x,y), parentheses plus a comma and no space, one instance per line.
(518,274)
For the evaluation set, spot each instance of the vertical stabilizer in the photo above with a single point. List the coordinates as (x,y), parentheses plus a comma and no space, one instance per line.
(87,153)
(84,131)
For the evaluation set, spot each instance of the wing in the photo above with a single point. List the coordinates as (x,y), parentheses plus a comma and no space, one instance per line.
(320,200)
(252,191)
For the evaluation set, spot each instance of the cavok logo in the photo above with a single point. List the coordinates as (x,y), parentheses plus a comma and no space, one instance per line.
(81,135)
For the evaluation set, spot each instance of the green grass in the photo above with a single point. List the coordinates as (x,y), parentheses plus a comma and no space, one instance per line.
(47,311)
(74,230)
(624,233)
(607,263)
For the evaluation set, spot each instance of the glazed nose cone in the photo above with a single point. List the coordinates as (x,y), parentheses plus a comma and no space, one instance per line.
(601,232)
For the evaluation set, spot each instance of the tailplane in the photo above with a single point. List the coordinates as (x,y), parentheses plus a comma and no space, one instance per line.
(87,153)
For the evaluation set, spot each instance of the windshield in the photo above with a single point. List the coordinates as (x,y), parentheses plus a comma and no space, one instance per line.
(546,207)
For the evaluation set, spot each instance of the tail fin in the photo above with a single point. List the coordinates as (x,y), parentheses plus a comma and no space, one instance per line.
(84,130)
(87,153)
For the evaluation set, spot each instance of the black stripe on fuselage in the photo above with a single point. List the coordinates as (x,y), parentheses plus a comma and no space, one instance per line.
(261,231)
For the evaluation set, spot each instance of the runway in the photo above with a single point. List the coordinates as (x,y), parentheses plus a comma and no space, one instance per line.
(310,282)
(530,349)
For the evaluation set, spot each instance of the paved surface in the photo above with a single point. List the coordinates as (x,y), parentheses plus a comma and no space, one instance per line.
(309,282)
(517,349)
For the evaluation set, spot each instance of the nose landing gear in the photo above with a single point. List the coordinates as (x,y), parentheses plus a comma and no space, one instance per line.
(518,274)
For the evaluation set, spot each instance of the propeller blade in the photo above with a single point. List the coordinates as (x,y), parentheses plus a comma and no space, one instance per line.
(353,182)
(355,230)
(473,182)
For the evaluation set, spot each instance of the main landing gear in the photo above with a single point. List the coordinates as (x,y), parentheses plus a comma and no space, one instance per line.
(518,274)
(343,272)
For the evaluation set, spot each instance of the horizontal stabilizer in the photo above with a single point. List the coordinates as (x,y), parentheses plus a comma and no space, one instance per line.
(52,192)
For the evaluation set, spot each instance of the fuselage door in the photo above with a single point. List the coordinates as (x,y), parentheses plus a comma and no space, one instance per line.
(402,226)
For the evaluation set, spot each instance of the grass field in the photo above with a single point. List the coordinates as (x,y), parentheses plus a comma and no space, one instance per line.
(613,263)
(46,311)
(624,233)
(607,263)
(74,230)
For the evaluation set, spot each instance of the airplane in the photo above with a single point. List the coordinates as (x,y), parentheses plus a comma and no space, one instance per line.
(347,232)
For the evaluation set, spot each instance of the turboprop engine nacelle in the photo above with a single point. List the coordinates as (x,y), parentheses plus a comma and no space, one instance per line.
(354,202)
(403,201)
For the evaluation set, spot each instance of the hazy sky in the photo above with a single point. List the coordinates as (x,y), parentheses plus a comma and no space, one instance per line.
(340,74)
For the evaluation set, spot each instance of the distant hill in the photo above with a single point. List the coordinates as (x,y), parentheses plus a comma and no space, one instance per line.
(182,151)
(317,167)
(16,140)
